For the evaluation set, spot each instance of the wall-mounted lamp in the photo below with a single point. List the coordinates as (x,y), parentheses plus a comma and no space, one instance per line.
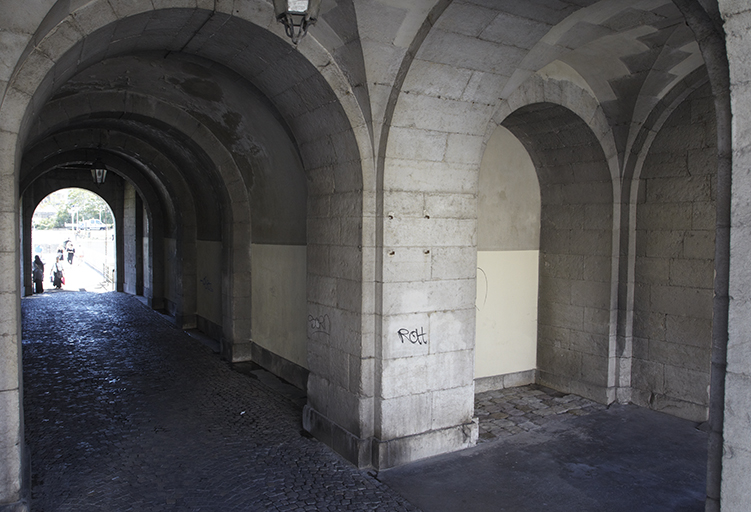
(98,171)
(297,16)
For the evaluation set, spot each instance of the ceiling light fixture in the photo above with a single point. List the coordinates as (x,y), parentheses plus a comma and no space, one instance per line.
(297,16)
(98,171)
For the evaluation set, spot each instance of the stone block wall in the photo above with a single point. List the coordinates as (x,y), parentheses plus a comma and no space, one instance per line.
(339,352)
(575,249)
(675,244)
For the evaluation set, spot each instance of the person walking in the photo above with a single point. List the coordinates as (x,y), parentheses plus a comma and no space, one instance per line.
(71,252)
(58,279)
(38,274)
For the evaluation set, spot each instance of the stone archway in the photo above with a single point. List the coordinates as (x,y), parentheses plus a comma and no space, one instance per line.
(575,351)
(312,111)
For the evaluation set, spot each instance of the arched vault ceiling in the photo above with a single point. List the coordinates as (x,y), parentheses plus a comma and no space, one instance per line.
(300,94)
(630,53)
(131,94)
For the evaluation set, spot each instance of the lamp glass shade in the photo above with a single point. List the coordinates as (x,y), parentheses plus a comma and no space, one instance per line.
(99,172)
(297,16)
(298,6)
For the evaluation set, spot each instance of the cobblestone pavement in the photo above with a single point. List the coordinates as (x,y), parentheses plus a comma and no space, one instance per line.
(125,412)
(506,412)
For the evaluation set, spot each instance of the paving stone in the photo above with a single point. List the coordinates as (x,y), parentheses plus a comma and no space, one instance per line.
(506,412)
(125,412)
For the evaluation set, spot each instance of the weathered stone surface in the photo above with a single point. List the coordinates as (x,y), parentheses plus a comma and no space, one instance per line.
(11,447)
(370,143)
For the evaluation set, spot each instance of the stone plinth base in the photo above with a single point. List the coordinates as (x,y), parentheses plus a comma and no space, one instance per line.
(353,448)
(392,453)
(508,380)
(19,506)
(599,394)
(396,452)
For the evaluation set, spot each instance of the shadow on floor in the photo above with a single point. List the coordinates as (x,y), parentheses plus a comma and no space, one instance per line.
(624,458)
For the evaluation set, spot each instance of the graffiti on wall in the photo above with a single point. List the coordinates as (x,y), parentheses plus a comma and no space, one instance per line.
(320,324)
(416,337)
(207,284)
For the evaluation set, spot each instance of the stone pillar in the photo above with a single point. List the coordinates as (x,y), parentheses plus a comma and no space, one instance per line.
(118,212)
(736,460)
(129,228)
(12,461)
(27,253)
(424,354)
(139,245)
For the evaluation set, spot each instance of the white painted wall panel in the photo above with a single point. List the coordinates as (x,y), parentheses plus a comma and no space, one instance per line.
(506,339)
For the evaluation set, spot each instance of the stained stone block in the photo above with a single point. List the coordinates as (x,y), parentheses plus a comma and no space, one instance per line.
(739,347)
(421,145)
(452,407)
(663,243)
(652,270)
(14,106)
(449,370)
(640,348)
(562,266)
(408,335)
(589,343)
(471,53)
(590,294)
(692,273)
(405,376)
(561,315)
(681,301)
(562,216)
(679,190)
(10,363)
(424,232)
(675,216)
(556,241)
(735,479)
(10,447)
(737,404)
(465,149)
(405,416)
(338,367)
(680,356)
(452,206)
(453,263)
(451,330)
(438,80)
(688,331)
(559,361)
(404,204)
(407,264)
(648,375)
(429,176)
(689,385)
(344,409)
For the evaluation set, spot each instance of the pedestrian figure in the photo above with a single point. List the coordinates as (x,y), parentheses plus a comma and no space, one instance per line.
(57,273)
(60,251)
(71,252)
(38,275)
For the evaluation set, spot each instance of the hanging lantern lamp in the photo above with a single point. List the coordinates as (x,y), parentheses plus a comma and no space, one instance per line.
(296,16)
(98,171)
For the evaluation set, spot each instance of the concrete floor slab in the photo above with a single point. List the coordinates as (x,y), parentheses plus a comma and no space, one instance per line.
(623,458)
